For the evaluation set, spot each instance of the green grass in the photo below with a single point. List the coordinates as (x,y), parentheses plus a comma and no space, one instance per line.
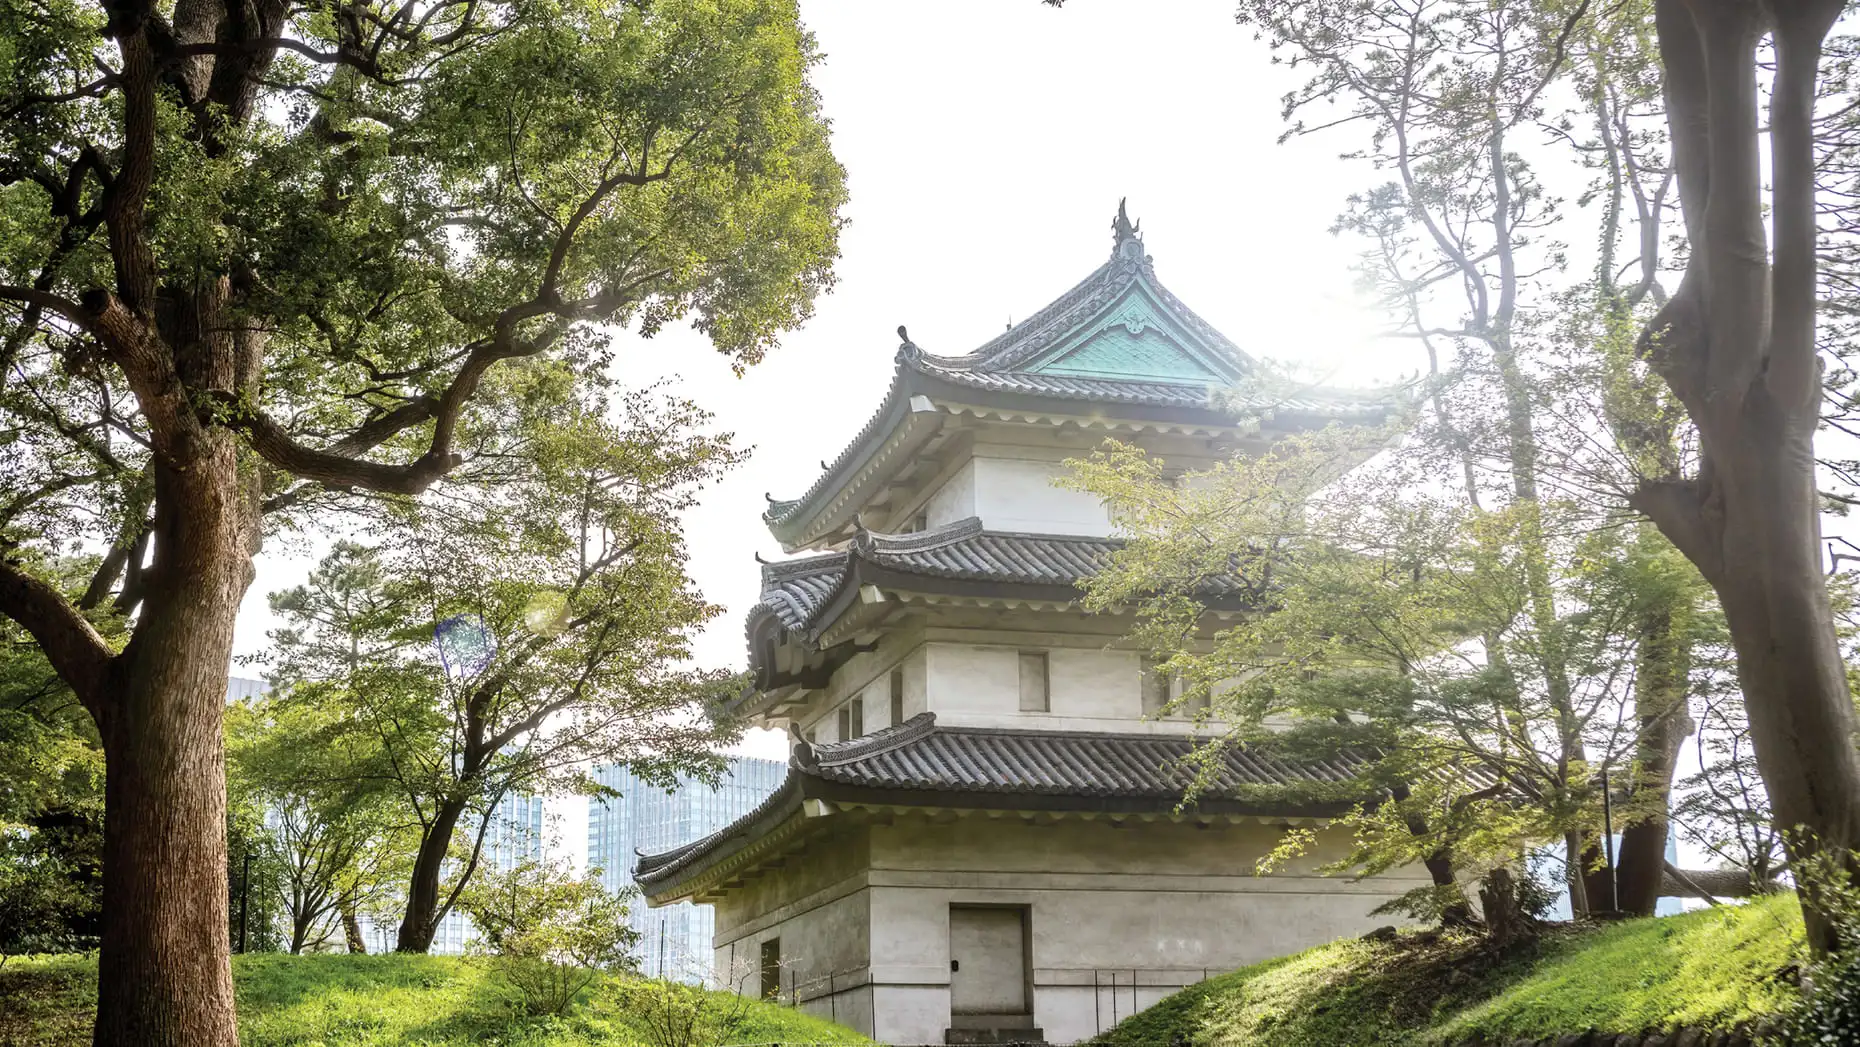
(367,1001)
(1717,969)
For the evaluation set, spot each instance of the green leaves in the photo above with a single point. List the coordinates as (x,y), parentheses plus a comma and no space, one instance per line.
(1390,620)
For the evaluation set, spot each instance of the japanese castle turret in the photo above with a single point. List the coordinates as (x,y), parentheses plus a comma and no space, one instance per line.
(980,837)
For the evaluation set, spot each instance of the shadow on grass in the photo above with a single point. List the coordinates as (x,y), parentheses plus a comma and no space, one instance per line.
(1348,993)
(1716,970)
(47,1001)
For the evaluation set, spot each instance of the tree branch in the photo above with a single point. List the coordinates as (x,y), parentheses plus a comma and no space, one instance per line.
(76,650)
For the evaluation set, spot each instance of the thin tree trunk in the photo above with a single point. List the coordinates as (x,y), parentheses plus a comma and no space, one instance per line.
(352,930)
(421,920)
(1439,865)
(1660,695)
(1575,857)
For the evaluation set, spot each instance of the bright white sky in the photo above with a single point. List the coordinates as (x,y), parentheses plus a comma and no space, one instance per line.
(988,142)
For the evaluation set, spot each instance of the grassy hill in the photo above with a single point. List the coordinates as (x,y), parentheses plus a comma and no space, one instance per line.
(1717,970)
(366,1001)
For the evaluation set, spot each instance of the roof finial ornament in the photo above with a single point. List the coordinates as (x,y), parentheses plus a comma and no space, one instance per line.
(1122,228)
(904,338)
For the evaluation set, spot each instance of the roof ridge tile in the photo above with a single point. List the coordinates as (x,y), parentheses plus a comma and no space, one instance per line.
(811,757)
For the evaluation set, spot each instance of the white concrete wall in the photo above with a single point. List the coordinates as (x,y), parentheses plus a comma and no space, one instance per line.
(819,906)
(1120,917)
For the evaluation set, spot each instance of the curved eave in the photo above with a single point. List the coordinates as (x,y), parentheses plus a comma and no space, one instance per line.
(920,404)
(677,874)
(903,424)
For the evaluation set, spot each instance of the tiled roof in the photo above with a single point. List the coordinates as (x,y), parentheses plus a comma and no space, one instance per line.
(797,591)
(1328,403)
(1062,387)
(918,754)
(1004,366)
(929,765)
(1032,336)
(963,550)
(794,590)
(657,868)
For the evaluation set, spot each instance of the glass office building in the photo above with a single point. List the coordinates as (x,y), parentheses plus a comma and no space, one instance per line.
(675,940)
(516,833)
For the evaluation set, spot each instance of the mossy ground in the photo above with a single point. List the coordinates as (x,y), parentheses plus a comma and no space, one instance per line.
(1717,969)
(367,1001)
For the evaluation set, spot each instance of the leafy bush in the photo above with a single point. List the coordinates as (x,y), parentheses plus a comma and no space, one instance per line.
(45,905)
(1829,1012)
(548,931)
(674,1014)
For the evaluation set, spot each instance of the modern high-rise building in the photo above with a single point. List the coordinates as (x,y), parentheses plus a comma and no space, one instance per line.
(239,688)
(675,940)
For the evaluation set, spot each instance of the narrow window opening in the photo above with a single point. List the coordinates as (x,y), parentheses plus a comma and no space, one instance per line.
(1035,694)
(771,968)
(1155,687)
(857,708)
(897,697)
(845,722)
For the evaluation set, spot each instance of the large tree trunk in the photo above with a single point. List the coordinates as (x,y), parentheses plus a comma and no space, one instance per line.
(421,920)
(1795,683)
(164,974)
(1737,345)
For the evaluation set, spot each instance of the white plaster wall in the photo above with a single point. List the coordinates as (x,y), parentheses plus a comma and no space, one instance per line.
(965,678)
(1120,916)
(818,904)
(1095,684)
(1012,490)
(1089,688)
(955,500)
(823,954)
(1017,494)
(868,675)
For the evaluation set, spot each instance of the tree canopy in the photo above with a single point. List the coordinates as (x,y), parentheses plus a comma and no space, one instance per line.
(263,262)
